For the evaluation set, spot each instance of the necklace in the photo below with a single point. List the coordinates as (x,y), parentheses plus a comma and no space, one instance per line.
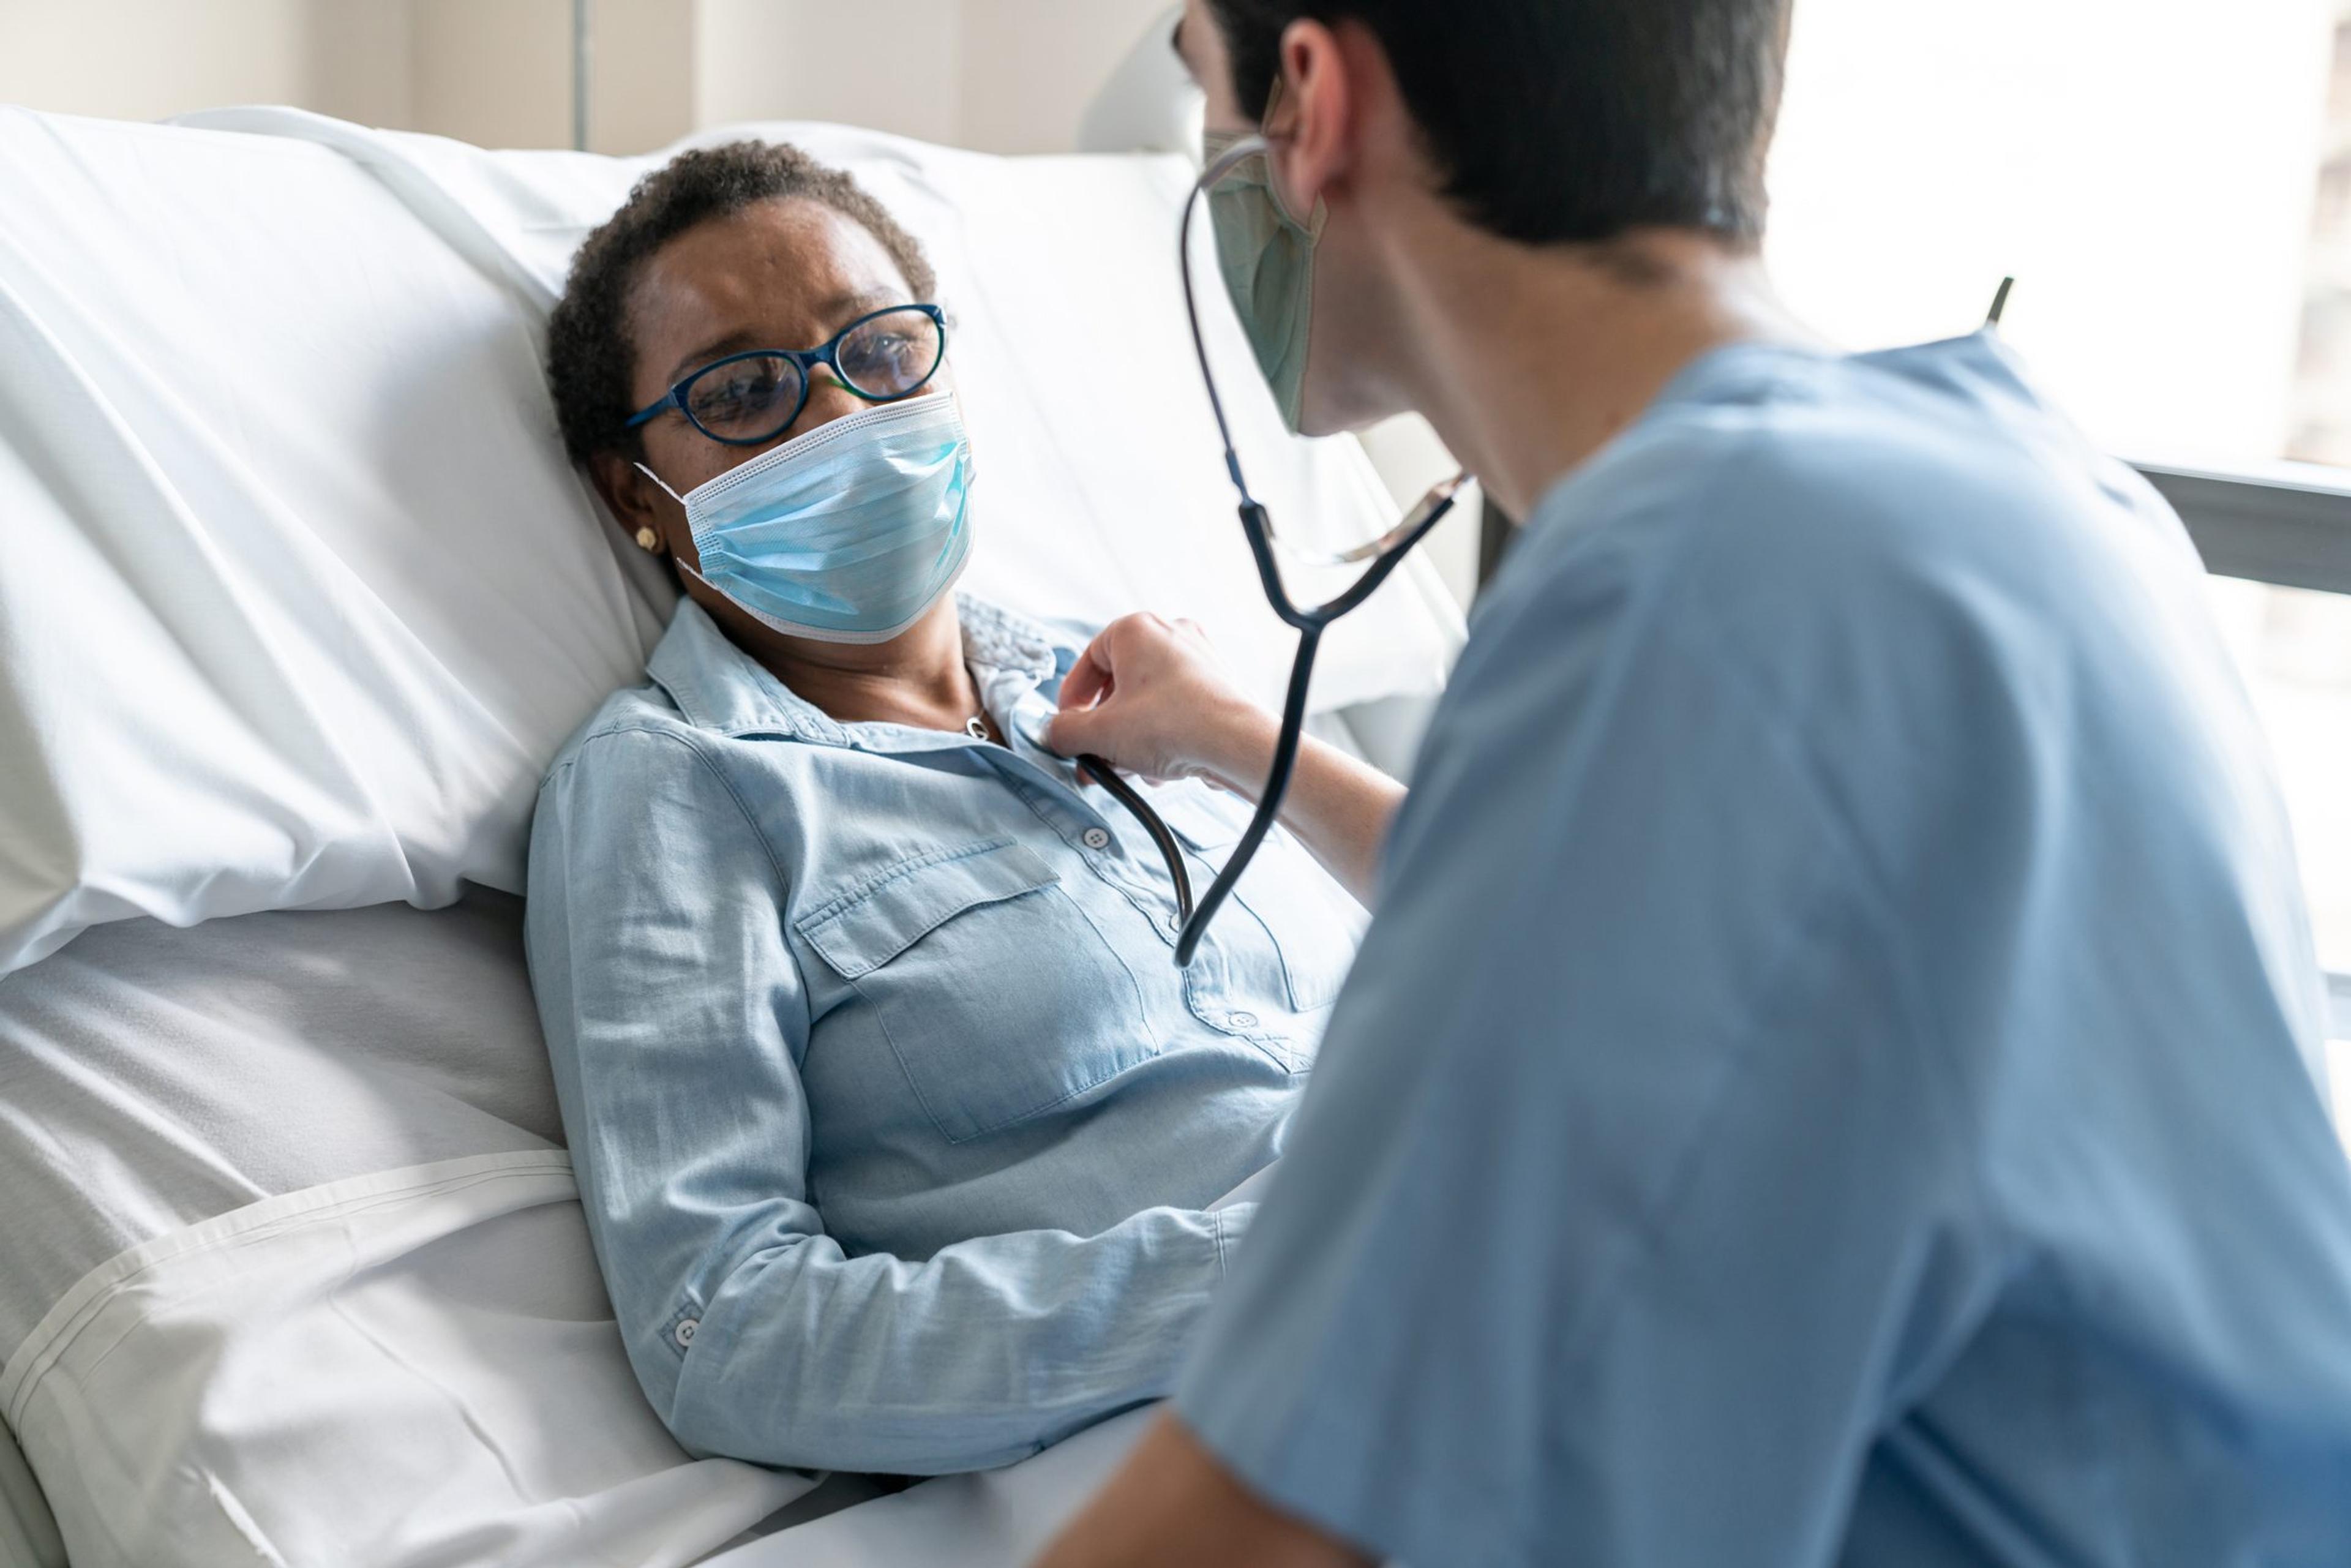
(976,725)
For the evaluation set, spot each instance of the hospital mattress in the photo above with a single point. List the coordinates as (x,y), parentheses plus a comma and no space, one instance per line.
(152,1077)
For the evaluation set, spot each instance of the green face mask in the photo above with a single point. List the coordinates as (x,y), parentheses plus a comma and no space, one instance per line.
(1267,257)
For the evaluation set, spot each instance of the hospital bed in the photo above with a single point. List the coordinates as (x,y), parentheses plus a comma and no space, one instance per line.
(298,598)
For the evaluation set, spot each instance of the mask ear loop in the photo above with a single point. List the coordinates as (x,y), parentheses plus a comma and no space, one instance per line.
(674,560)
(657,479)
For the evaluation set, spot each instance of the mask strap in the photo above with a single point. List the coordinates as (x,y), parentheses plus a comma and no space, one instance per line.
(1239,152)
(657,479)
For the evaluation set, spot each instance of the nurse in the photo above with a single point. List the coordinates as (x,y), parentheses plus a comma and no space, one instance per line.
(1832,1075)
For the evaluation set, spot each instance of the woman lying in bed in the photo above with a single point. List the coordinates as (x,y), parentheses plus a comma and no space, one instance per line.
(895,1121)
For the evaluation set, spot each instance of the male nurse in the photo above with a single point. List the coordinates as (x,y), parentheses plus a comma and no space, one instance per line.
(1832,1077)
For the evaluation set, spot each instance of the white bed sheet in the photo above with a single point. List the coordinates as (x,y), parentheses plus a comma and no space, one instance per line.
(152,1077)
(994,1519)
(413,1369)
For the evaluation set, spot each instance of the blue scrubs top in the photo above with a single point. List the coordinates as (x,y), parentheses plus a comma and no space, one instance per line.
(1830,1079)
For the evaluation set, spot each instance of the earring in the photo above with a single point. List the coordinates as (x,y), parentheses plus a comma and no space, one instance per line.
(648,540)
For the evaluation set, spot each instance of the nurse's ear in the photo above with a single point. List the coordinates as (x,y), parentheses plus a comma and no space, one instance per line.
(645,512)
(1311,118)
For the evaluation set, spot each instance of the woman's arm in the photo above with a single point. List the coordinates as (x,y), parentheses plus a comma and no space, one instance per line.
(1147,696)
(676,1023)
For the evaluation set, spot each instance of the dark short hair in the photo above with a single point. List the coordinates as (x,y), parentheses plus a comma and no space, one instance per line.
(1566,121)
(591,359)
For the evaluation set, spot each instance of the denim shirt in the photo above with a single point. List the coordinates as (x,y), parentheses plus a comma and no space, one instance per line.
(894,1119)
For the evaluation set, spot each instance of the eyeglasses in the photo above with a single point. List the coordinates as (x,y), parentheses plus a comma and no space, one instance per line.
(748,398)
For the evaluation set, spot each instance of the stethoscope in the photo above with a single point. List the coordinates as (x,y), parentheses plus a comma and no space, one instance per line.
(978,727)
(1385,553)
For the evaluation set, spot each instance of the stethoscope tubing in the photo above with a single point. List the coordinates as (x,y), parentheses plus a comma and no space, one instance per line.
(1385,555)
(1124,793)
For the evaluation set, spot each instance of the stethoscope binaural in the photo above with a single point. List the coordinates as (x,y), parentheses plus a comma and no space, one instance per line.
(1386,553)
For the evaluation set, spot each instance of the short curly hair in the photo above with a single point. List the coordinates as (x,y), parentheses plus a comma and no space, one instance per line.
(590,358)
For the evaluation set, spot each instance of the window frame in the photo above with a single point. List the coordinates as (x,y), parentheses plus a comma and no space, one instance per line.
(2283,523)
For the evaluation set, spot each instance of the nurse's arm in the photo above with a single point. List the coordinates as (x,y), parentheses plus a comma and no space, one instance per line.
(1174,1504)
(1149,698)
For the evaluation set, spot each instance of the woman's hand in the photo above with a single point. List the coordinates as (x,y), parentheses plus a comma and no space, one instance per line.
(1149,696)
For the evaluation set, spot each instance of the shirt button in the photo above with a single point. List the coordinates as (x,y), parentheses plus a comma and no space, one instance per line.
(1241,1021)
(684,1333)
(1097,838)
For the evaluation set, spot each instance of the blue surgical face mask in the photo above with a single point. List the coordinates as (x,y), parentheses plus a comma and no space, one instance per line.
(847,534)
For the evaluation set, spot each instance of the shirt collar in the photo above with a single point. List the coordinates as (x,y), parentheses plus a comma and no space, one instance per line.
(719,688)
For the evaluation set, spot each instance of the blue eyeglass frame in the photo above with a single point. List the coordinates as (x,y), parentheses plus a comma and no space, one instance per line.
(827,354)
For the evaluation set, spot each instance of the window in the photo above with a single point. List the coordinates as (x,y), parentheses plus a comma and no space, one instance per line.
(2150,171)
(2294,648)
(2169,181)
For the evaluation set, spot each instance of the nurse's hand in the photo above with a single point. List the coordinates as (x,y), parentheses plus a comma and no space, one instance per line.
(1149,696)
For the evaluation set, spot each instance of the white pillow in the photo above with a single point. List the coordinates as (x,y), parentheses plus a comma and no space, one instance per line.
(300,596)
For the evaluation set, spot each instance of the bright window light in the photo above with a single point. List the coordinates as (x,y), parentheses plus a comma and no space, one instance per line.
(2339,1070)
(2149,171)
(2295,649)
(2169,180)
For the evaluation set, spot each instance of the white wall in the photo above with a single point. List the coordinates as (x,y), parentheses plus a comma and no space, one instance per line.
(893,65)
(363,61)
(641,77)
(1002,76)
(494,72)
(143,59)
(499,72)
(1029,67)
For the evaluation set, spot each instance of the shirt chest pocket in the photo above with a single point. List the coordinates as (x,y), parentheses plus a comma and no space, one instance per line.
(990,984)
(1314,927)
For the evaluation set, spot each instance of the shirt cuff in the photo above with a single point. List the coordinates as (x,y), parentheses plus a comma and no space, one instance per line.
(1232,1224)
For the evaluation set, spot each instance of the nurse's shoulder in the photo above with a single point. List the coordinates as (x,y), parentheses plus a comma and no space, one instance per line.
(1829,524)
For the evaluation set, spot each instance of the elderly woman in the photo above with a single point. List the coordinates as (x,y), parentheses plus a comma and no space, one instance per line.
(895,1122)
